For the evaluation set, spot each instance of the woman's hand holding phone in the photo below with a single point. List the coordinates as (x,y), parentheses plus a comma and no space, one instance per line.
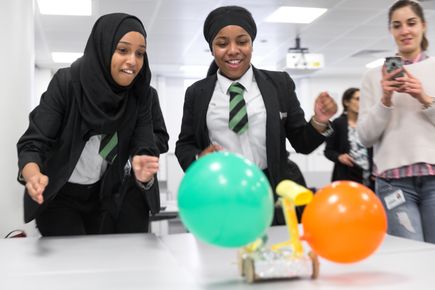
(396,78)
(392,74)
(389,85)
(411,85)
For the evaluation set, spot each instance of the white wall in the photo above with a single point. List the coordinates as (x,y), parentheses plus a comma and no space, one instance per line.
(16,81)
(171,96)
(172,100)
(41,80)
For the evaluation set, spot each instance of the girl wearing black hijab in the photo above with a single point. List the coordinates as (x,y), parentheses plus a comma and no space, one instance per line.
(257,124)
(92,118)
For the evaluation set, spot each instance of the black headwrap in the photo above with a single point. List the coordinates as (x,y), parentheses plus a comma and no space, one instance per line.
(102,102)
(212,69)
(228,15)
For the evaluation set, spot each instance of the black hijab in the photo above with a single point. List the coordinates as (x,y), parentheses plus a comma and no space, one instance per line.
(102,102)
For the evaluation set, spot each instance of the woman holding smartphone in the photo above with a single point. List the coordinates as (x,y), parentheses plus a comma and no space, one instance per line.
(397,118)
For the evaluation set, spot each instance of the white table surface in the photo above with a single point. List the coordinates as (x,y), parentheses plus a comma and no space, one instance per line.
(180,261)
(137,261)
(397,264)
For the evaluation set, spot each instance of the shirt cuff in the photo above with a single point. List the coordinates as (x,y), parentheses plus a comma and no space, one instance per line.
(146,185)
(329,130)
(327,126)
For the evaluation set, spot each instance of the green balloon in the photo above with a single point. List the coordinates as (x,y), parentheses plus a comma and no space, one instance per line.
(225,200)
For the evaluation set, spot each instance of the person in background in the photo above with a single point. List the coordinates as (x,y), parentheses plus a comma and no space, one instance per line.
(352,161)
(397,118)
(264,111)
(94,115)
(136,203)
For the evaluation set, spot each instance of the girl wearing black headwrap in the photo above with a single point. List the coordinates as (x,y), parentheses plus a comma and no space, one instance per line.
(92,118)
(273,113)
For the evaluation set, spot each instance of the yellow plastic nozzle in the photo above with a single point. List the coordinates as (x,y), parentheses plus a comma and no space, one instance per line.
(297,193)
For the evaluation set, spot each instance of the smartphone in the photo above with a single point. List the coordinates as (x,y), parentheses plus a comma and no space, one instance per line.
(393,63)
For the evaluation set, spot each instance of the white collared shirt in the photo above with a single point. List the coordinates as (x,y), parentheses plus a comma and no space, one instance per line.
(91,166)
(252,143)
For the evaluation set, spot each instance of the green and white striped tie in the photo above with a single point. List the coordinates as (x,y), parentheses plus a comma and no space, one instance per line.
(238,121)
(109,147)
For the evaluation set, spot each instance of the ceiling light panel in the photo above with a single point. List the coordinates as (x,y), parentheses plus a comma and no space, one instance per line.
(288,14)
(65,7)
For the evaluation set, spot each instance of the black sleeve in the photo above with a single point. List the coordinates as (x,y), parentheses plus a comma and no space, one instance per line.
(303,137)
(45,122)
(186,147)
(143,142)
(332,143)
(161,136)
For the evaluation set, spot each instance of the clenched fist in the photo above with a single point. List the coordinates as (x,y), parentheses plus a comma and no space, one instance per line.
(145,167)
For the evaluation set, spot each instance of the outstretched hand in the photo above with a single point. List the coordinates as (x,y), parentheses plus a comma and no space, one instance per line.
(145,167)
(36,182)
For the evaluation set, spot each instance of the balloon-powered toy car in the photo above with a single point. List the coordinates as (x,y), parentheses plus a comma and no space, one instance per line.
(286,259)
(344,222)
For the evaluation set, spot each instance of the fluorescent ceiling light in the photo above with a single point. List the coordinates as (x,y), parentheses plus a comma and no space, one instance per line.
(65,7)
(65,57)
(288,14)
(375,63)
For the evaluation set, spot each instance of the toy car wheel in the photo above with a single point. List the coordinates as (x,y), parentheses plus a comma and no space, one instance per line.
(249,270)
(316,265)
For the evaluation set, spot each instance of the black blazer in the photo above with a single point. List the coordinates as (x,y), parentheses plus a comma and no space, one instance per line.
(285,120)
(134,203)
(161,137)
(337,144)
(57,135)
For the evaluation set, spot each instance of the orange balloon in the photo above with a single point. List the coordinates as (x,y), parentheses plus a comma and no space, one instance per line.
(345,222)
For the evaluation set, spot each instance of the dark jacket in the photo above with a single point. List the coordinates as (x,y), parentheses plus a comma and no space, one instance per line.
(57,135)
(133,202)
(285,120)
(161,136)
(337,144)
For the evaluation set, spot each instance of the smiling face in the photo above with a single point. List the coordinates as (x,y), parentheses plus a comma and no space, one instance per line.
(232,51)
(128,58)
(408,29)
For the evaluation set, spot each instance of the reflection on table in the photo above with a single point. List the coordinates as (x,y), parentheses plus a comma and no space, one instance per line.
(180,261)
